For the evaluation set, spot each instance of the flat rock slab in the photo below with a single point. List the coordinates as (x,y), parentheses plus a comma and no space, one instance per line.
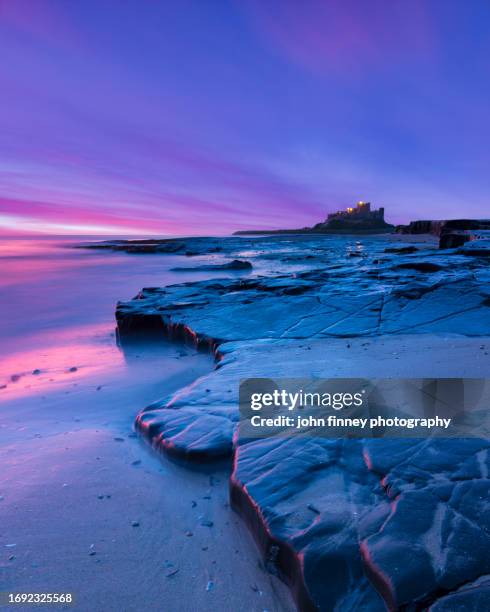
(351,524)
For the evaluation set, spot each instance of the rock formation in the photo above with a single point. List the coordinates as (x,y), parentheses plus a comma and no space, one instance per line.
(351,524)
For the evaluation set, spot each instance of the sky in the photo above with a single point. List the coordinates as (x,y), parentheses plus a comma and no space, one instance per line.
(209,116)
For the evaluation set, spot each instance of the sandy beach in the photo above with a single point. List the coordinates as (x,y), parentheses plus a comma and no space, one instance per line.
(87,506)
(82,500)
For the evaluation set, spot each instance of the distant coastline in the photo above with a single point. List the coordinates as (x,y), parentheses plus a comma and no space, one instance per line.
(359,219)
(312,230)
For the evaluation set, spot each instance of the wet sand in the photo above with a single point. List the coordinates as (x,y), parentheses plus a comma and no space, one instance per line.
(75,478)
(82,499)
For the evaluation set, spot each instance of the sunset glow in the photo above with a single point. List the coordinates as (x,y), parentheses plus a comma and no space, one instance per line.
(191,118)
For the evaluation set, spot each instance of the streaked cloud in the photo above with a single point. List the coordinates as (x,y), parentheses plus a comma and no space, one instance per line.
(199,118)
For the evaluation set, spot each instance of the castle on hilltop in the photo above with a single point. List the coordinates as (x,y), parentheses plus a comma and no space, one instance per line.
(361,211)
(359,217)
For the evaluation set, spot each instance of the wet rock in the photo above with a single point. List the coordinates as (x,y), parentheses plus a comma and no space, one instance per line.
(236,264)
(344,540)
(472,596)
(401,250)
(476,248)
(192,246)
(452,240)
(420,266)
(351,524)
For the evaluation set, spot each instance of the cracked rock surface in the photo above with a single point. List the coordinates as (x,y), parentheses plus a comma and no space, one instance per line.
(350,524)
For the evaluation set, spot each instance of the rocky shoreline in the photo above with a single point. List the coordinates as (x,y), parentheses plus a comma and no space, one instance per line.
(454,233)
(335,518)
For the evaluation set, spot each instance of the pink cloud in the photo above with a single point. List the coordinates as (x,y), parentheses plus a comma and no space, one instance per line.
(46,214)
(41,20)
(344,35)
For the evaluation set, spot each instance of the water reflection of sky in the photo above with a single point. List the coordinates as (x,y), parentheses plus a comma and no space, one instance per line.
(57,308)
(57,303)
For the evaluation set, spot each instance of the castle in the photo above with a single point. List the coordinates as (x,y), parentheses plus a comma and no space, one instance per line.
(361,211)
(360,217)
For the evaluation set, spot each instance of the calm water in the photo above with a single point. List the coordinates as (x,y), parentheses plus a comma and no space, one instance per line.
(57,304)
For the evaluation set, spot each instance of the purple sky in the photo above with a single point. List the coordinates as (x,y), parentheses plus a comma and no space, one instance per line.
(203,117)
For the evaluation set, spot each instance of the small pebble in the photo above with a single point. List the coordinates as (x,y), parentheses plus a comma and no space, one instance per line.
(136,462)
(189,534)
(135,524)
(207,523)
(210,585)
(73,369)
(36,371)
(119,439)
